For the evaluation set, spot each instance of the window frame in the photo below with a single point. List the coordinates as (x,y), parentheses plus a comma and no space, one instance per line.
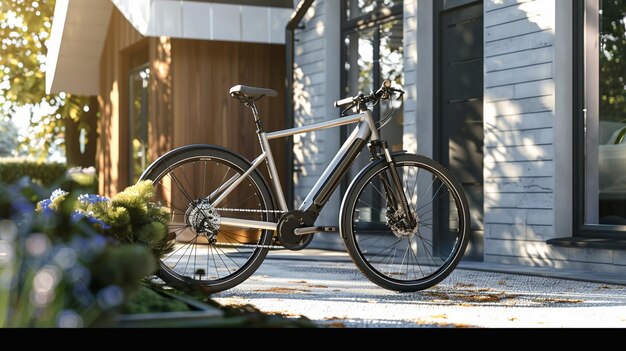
(351,25)
(144,120)
(372,19)
(580,105)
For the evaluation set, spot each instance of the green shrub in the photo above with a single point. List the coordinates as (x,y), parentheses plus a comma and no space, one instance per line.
(58,266)
(46,174)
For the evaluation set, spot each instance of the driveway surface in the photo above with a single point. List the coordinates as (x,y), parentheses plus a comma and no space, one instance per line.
(328,289)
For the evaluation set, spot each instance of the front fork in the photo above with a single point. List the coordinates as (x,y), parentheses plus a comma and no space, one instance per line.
(392,184)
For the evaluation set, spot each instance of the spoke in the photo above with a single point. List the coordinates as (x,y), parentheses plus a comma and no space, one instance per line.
(406,253)
(379,237)
(417,263)
(372,207)
(169,204)
(219,189)
(230,242)
(190,254)
(191,187)
(233,234)
(406,181)
(194,258)
(220,257)
(179,186)
(187,245)
(414,191)
(208,258)
(432,245)
(217,273)
(214,173)
(226,205)
(390,247)
(381,194)
(233,261)
(425,192)
(392,255)
(179,231)
(204,184)
(175,251)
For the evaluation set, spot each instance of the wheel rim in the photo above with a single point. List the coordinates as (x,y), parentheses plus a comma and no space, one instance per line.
(409,255)
(208,253)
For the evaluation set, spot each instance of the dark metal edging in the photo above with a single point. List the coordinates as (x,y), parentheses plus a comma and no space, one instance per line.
(292,25)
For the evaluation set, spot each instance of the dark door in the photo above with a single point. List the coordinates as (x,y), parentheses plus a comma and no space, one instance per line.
(459,103)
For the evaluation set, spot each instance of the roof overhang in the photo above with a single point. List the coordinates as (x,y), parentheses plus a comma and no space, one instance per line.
(80,26)
(75,46)
(257,21)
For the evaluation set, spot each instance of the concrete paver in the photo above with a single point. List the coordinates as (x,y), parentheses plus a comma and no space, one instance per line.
(328,289)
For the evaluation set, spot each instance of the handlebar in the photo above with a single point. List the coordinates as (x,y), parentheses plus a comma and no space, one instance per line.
(344,102)
(384,93)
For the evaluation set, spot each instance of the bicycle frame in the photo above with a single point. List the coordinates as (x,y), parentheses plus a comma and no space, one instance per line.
(322,190)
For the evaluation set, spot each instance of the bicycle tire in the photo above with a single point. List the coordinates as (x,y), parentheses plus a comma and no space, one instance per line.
(189,159)
(434,254)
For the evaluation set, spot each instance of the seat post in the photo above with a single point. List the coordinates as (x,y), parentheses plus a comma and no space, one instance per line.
(255,112)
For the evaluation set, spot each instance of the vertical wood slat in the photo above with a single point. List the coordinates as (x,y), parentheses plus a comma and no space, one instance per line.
(202,74)
(189,101)
(112,155)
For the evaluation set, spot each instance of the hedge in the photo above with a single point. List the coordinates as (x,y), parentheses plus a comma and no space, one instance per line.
(12,169)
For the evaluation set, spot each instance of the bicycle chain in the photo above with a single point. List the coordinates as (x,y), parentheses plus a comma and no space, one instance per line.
(244,210)
(248,210)
(249,246)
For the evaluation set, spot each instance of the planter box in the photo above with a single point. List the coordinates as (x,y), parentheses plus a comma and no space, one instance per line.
(203,315)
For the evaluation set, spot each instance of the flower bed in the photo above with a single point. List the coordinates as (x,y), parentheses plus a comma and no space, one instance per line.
(74,259)
(71,258)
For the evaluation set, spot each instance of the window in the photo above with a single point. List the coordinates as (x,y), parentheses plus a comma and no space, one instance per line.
(373,51)
(601,119)
(138,121)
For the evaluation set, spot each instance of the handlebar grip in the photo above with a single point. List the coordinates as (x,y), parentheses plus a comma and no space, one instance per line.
(344,102)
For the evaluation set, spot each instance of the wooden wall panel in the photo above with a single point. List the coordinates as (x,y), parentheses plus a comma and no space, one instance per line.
(189,101)
(112,159)
(160,101)
(202,74)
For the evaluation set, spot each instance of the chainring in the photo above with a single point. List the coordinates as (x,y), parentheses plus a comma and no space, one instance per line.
(288,223)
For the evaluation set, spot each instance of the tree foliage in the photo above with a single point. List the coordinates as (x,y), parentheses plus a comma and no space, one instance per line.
(25,27)
(613,61)
(8,137)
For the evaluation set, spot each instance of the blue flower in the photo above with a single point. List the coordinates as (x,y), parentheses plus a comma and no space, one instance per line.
(76,216)
(57,193)
(92,199)
(45,206)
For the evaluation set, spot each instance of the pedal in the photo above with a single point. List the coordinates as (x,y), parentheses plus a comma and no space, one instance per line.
(311,230)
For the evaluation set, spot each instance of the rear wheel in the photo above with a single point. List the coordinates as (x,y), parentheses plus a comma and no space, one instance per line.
(391,253)
(207,255)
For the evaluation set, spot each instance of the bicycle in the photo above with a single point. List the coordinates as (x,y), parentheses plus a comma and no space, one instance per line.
(404,219)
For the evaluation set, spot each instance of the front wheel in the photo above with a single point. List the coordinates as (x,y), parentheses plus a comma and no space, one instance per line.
(391,253)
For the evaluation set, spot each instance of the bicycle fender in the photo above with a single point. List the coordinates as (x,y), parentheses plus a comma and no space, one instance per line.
(185,148)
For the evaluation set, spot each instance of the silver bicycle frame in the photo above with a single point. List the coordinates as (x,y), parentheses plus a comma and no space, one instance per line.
(321,191)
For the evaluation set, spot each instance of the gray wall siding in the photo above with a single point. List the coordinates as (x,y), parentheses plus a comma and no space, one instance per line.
(316,86)
(519,130)
(309,99)
(410,142)
(528,123)
(528,137)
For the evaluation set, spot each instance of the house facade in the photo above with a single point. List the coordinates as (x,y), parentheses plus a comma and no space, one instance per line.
(162,70)
(522,99)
